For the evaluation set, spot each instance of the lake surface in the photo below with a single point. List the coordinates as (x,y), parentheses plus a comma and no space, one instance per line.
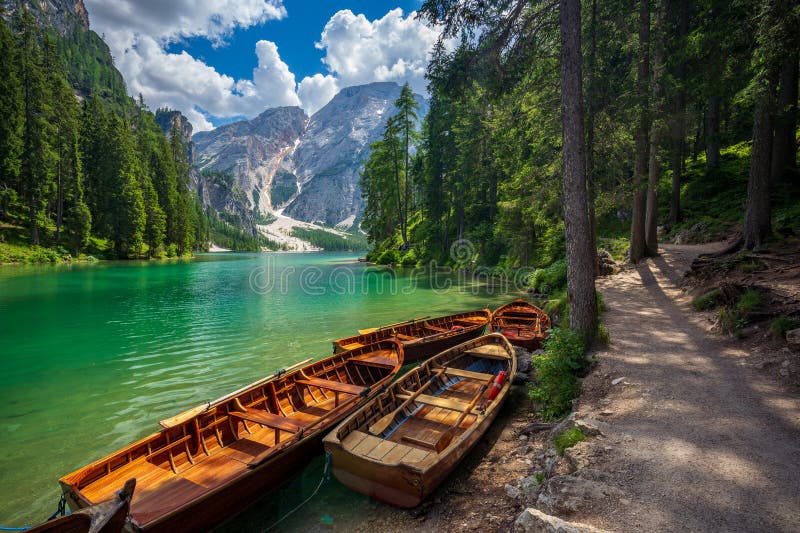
(93,355)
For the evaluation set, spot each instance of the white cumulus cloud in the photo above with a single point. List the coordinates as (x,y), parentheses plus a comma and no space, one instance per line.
(356,51)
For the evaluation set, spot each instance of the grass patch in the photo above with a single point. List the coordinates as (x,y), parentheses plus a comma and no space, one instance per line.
(568,439)
(709,300)
(556,384)
(603,336)
(750,301)
(616,246)
(781,325)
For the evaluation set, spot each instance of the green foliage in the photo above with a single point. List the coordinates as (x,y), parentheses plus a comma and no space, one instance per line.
(779,326)
(603,335)
(224,229)
(557,307)
(731,321)
(556,384)
(551,279)
(751,300)
(708,300)
(330,241)
(567,439)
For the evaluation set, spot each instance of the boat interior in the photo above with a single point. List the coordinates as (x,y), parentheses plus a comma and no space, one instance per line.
(180,464)
(428,409)
(432,327)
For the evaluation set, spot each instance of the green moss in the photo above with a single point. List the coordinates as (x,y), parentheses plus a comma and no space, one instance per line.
(568,439)
(709,300)
(603,335)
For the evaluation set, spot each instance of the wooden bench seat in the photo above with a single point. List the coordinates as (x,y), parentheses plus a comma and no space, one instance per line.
(352,346)
(270,420)
(380,359)
(468,374)
(444,403)
(336,386)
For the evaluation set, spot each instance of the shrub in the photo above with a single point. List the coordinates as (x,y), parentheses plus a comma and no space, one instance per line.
(552,278)
(557,307)
(603,335)
(556,384)
(568,439)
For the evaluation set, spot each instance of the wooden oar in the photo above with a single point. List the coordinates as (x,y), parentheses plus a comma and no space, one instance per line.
(447,437)
(372,330)
(380,426)
(194,411)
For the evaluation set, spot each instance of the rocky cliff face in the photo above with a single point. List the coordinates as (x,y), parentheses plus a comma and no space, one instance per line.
(309,169)
(252,150)
(65,16)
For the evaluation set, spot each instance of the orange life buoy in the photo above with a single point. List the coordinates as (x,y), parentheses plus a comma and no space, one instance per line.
(499,379)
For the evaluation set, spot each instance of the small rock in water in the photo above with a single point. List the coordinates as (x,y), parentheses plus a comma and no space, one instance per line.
(617,381)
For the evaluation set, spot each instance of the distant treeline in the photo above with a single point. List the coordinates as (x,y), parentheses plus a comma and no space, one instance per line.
(70,170)
(331,241)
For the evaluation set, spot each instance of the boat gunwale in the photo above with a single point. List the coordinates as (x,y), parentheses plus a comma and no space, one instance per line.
(392,331)
(70,486)
(335,437)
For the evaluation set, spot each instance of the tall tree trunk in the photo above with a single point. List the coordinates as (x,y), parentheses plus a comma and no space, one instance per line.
(34,219)
(591,109)
(638,249)
(784,149)
(651,217)
(60,196)
(712,131)
(581,292)
(407,185)
(678,123)
(757,217)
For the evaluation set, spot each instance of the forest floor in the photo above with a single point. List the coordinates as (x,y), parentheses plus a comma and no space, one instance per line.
(689,430)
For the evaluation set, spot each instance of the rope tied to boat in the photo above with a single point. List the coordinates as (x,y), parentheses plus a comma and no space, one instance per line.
(62,507)
(60,511)
(326,475)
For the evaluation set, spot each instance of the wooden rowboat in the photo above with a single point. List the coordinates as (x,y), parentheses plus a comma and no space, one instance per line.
(400,446)
(207,467)
(105,517)
(522,323)
(423,338)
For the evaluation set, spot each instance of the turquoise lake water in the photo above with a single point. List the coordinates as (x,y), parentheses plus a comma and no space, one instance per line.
(93,355)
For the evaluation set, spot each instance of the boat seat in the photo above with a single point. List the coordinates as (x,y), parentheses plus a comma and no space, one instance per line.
(336,386)
(270,420)
(468,374)
(402,337)
(444,403)
(352,346)
(380,359)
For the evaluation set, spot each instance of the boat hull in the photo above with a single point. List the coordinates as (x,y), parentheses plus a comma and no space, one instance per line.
(419,351)
(401,485)
(209,467)
(402,461)
(522,323)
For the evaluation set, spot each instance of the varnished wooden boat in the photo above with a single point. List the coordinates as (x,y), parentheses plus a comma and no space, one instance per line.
(106,517)
(402,444)
(424,338)
(522,323)
(213,462)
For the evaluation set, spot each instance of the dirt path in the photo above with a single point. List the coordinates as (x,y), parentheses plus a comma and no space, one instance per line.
(696,439)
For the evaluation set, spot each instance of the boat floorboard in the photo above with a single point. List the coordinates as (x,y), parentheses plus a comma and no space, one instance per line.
(160,491)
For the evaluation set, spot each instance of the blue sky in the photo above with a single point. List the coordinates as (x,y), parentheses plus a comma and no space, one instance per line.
(219,60)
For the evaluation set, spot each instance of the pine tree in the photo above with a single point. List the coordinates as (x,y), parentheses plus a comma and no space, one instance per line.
(128,217)
(10,119)
(37,158)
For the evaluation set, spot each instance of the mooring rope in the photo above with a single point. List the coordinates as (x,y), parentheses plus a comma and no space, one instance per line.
(60,511)
(326,474)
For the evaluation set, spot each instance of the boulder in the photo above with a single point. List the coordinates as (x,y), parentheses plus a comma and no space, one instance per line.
(535,521)
(570,494)
(793,336)
(591,427)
